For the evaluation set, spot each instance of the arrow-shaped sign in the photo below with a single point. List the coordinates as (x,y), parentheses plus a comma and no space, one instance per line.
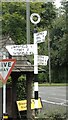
(42,60)
(20,50)
(6,66)
(40,37)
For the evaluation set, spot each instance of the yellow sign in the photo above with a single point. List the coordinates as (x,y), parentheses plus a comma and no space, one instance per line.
(22,105)
(5,117)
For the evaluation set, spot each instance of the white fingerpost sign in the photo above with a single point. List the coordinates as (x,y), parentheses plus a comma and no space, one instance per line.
(40,36)
(42,60)
(20,50)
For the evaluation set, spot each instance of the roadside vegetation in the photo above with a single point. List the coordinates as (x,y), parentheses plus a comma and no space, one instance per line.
(53,84)
(53,20)
(53,116)
(56,22)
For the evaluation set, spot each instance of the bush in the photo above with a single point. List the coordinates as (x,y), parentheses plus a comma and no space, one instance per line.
(21,86)
(53,116)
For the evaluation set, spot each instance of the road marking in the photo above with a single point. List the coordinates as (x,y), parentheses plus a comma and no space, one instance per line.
(62,95)
(54,103)
(59,99)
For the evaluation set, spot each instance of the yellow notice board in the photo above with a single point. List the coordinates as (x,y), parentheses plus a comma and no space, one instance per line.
(22,104)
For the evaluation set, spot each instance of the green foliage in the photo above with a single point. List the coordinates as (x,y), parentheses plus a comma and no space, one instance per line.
(41,77)
(9,81)
(13,21)
(21,88)
(52,116)
(48,14)
(57,116)
(14,25)
(58,49)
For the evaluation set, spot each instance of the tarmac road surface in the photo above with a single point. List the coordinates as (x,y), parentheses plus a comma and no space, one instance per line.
(54,99)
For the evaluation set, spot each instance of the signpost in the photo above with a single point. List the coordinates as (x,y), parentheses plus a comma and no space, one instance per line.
(42,60)
(6,65)
(20,50)
(29,49)
(40,36)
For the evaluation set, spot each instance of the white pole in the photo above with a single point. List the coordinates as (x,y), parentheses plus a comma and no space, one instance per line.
(35,60)
(4,98)
(4,94)
(35,72)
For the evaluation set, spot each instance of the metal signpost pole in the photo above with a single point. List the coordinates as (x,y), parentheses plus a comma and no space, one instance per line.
(5,115)
(28,20)
(35,73)
(49,58)
(4,98)
(35,60)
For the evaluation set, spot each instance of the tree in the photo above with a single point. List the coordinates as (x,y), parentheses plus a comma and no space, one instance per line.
(48,15)
(13,21)
(58,47)
(14,25)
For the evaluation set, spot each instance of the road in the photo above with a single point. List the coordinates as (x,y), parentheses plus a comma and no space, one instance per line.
(54,99)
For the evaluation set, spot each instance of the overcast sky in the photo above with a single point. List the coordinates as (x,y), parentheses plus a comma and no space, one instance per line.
(57,3)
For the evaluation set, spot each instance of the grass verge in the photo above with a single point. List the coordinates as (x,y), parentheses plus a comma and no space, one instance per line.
(53,84)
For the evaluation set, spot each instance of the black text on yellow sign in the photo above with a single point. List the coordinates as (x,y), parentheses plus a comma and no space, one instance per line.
(22,105)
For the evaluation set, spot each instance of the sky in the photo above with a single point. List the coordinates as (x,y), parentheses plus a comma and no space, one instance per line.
(57,3)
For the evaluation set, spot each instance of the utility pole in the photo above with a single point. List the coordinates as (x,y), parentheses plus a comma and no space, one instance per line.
(49,58)
(28,20)
(28,81)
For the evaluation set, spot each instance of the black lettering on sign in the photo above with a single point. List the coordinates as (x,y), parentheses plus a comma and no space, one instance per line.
(5,64)
(5,69)
(9,64)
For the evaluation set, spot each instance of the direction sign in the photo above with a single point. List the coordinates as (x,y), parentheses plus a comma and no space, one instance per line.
(40,37)
(6,66)
(19,50)
(42,60)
